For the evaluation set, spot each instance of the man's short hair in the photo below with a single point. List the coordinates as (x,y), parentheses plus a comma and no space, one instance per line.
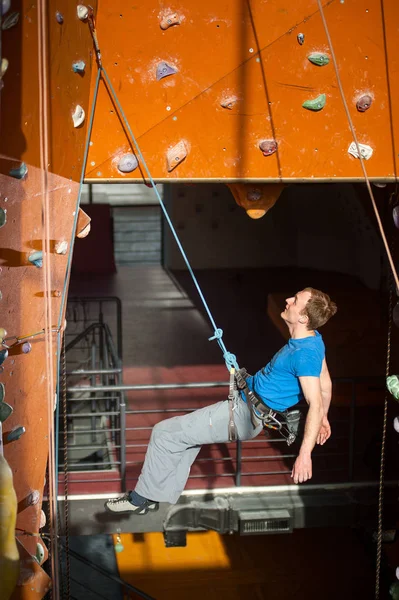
(319,308)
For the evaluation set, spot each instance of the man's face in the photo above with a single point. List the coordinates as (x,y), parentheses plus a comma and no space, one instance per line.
(294,307)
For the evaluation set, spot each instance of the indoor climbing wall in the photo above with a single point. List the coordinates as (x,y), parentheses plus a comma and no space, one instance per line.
(247,90)
(28,82)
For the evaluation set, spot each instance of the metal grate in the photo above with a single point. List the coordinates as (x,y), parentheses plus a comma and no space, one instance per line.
(268,521)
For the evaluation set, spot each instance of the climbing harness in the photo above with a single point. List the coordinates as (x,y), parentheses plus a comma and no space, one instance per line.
(287,423)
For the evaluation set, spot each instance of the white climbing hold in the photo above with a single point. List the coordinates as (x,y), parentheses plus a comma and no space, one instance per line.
(61,247)
(83,12)
(78,116)
(396,426)
(366,151)
(127,163)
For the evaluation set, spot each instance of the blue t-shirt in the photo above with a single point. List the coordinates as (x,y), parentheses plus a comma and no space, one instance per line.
(277,384)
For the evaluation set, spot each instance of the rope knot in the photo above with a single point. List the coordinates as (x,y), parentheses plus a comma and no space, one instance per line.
(218,334)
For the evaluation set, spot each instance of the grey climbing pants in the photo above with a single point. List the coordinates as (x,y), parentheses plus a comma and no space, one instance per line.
(175,444)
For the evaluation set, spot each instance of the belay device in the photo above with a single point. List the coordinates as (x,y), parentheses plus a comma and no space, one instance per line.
(287,423)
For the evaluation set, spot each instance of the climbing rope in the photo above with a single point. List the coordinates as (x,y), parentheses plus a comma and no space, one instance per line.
(67,593)
(229,358)
(395,277)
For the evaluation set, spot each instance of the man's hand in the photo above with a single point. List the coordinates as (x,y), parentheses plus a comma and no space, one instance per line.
(325,431)
(302,470)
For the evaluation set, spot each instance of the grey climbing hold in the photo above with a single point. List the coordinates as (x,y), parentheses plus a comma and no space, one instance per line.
(315,104)
(364,103)
(165,70)
(39,556)
(26,347)
(33,498)
(36,258)
(319,59)
(5,411)
(10,21)
(78,116)
(395,215)
(20,172)
(301,38)
(127,163)
(15,434)
(3,355)
(79,66)
(268,147)
(3,217)
(3,67)
(169,20)
(176,155)
(254,195)
(2,392)
(228,101)
(82,12)
(59,17)
(5,6)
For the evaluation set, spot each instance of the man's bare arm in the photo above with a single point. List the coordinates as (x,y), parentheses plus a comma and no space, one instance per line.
(311,388)
(326,387)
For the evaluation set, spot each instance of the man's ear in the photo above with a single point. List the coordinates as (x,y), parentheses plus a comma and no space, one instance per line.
(303,319)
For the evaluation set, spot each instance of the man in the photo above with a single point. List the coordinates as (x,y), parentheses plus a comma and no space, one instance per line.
(298,370)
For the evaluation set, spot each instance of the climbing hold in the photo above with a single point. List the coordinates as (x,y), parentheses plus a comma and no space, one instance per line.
(82,11)
(3,333)
(61,247)
(254,195)
(3,355)
(5,411)
(164,70)
(5,6)
(169,20)
(393,386)
(78,116)
(83,224)
(364,103)
(9,560)
(319,59)
(394,590)
(365,151)
(301,38)
(396,424)
(3,67)
(15,434)
(39,556)
(10,21)
(79,66)
(127,163)
(26,347)
(2,392)
(119,548)
(59,17)
(176,155)
(395,214)
(20,172)
(33,498)
(228,101)
(3,217)
(43,519)
(316,103)
(268,147)
(36,258)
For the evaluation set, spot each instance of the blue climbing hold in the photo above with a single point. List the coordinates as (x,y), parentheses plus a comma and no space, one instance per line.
(3,355)
(20,172)
(36,258)
(15,434)
(164,70)
(79,67)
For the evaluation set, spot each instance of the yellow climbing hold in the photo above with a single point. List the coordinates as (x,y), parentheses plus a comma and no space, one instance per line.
(9,555)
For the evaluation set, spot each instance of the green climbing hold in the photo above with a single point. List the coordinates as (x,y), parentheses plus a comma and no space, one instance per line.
(394,590)
(315,104)
(119,548)
(39,553)
(5,411)
(393,386)
(319,59)
(3,217)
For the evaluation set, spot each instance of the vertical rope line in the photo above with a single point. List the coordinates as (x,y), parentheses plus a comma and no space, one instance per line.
(44,160)
(363,167)
(66,505)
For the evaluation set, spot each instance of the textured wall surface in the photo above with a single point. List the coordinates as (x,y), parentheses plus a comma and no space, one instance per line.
(246,55)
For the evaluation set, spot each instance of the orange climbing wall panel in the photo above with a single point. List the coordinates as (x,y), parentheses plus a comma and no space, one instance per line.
(248,50)
(23,295)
